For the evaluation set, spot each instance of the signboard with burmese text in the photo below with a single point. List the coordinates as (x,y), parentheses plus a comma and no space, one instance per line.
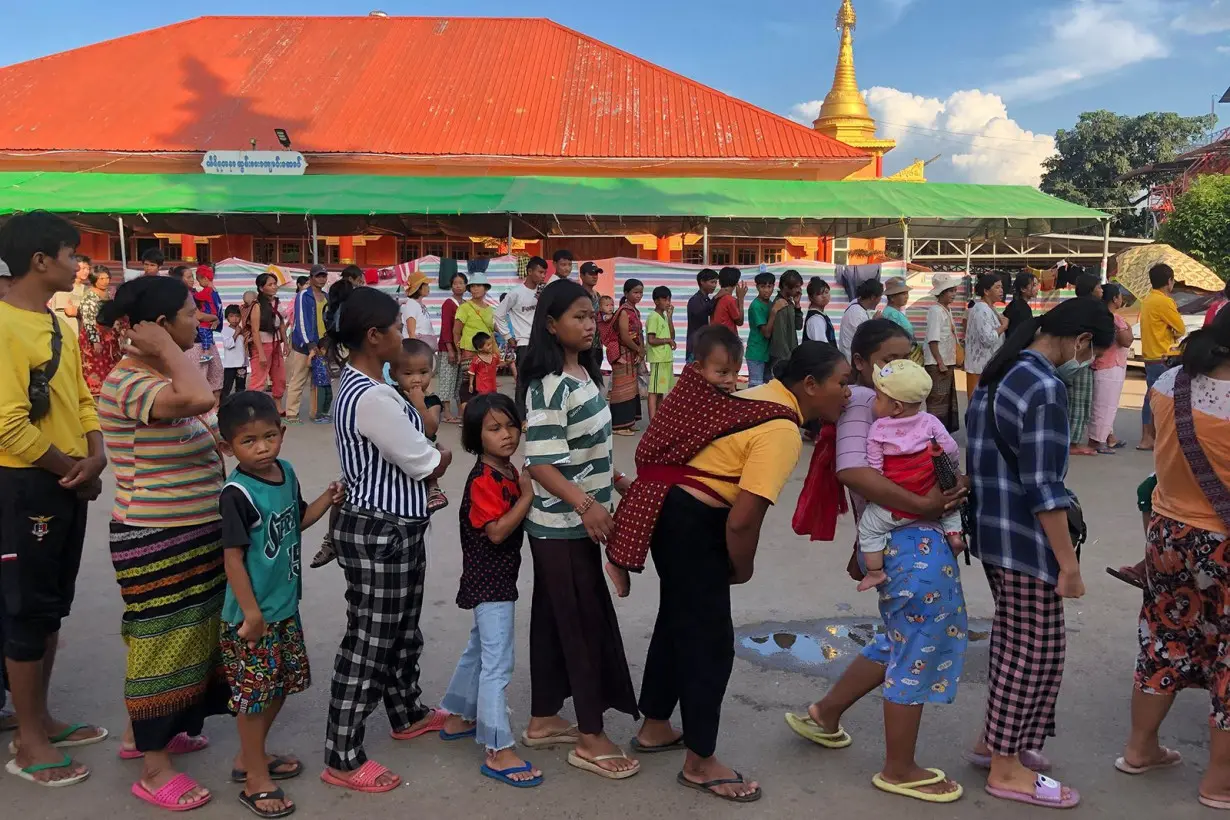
(254,163)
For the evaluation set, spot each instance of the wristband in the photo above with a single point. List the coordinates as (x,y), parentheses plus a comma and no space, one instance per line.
(584,506)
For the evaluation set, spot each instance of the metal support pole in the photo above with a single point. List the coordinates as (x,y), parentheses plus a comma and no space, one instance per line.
(969,258)
(1105,249)
(510,236)
(905,241)
(315,242)
(705,245)
(123,247)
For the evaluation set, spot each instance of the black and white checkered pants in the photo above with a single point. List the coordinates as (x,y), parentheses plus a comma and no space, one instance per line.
(385,563)
(1028,645)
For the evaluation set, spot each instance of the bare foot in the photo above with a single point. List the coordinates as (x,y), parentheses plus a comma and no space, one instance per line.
(702,770)
(386,779)
(456,725)
(49,754)
(872,580)
(619,579)
(153,781)
(506,759)
(591,747)
(553,726)
(655,733)
(1078,450)
(916,774)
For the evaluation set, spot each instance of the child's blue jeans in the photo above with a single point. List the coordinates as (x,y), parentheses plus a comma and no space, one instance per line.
(483,673)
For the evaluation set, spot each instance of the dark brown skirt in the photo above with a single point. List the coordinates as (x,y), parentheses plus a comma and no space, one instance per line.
(942,402)
(575,647)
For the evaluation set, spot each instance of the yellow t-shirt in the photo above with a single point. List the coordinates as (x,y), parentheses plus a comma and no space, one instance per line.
(1161,325)
(762,457)
(475,320)
(25,338)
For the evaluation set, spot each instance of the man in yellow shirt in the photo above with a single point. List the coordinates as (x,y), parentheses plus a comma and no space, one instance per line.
(1161,326)
(51,456)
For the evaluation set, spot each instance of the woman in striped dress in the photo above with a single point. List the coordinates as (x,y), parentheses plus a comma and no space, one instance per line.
(379,535)
(156,412)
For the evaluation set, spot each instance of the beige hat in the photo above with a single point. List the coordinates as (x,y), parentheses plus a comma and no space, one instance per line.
(903,380)
(894,286)
(945,281)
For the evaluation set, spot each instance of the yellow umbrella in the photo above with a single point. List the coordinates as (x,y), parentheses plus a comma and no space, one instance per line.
(1134,264)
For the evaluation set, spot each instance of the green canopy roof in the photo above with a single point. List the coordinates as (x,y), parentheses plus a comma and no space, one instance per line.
(555,205)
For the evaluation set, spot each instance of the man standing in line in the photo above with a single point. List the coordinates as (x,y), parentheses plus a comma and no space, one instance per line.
(700,305)
(514,316)
(307,329)
(151,264)
(589,280)
(563,263)
(866,298)
(1161,325)
(51,456)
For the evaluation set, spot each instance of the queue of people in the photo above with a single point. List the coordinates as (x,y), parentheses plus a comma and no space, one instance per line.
(224,635)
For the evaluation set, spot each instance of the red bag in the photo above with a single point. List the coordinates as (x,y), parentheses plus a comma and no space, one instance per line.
(823,498)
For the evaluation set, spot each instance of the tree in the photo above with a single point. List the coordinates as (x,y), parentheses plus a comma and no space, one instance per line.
(1199,225)
(1104,146)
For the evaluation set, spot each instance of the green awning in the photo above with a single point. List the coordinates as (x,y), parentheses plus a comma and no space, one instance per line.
(557,205)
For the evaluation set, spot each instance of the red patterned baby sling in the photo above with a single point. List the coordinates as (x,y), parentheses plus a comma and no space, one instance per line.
(693,415)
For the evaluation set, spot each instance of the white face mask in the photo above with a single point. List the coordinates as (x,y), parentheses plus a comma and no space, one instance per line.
(1073,366)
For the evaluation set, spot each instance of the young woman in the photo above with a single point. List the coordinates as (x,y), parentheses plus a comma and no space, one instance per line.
(1186,541)
(476,315)
(1109,373)
(709,522)
(416,321)
(448,359)
(575,646)
(1024,288)
(940,352)
(625,394)
(156,412)
(100,348)
(268,332)
(1017,461)
(918,658)
(379,536)
(984,328)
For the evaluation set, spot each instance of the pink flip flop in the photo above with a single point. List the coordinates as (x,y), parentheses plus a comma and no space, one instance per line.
(435,724)
(1048,793)
(182,744)
(1034,761)
(363,779)
(1170,759)
(168,796)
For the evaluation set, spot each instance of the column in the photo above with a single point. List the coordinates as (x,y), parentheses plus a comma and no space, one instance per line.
(187,245)
(345,250)
(664,249)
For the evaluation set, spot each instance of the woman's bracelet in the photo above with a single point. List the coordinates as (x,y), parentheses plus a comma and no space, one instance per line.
(584,506)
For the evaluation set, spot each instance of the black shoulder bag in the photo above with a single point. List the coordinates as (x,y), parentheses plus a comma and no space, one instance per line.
(1076,515)
(40,380)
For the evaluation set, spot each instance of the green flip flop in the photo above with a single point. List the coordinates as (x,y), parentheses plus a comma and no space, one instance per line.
(29,772)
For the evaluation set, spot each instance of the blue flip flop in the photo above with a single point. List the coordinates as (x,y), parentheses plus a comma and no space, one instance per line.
(459,735)
(502,775)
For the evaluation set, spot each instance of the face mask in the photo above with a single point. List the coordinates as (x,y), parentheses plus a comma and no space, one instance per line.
(1071,367)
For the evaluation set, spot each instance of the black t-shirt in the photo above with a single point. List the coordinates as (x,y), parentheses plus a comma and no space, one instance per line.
(700,311)
(489,571)
(1018,312)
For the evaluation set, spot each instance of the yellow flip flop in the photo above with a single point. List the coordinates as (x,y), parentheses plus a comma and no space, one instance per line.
(805,727)
(913,789)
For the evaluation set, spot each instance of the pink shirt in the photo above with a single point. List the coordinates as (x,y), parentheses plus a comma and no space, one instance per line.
(1115,356)
(906,436)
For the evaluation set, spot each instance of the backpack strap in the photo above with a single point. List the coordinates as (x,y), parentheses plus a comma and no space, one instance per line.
(1214,490)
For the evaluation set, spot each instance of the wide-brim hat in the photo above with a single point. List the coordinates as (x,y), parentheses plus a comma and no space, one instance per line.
(945,281)
(478,278)
(415,282)
(894,286)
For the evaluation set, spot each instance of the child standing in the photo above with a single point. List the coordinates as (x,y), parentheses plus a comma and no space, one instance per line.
(817,326)
(759,331)
(234,354)
(322,382)
(263,517)
(728,304)
(660,332)
(493,508)
(902,443)
(484,368)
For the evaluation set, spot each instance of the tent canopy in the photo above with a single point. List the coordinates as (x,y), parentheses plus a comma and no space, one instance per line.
(544,206)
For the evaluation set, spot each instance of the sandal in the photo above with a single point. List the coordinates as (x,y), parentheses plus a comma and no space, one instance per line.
(28,772)
(168,796)
(708,785)
(61,739)
(182,744)
(805,727)
(915,791)
(1170,758)
(502,775)
(434,724)
(569,735)
(590,764)
(363,779)
(250,800)
(642,749)
(1047,792)
(436,500)
(325,554)
(240,776)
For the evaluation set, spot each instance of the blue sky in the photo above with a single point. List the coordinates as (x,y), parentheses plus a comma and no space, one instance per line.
(983,83)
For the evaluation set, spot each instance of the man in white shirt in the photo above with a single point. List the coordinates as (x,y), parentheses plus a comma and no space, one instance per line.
(514,316)
(867,297)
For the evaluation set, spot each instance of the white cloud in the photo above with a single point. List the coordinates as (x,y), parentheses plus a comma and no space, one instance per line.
(1084,41)
(896,8)
(1223,49)
(1205,17)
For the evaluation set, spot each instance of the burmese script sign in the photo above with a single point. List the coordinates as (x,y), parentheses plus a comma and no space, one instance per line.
(254,163)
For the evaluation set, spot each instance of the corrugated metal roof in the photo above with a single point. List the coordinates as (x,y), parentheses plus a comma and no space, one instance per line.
(414,86)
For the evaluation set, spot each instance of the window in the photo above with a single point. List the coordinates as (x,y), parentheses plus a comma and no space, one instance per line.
(203,254)
(408,250)
(116,248)
(459,252)
(694,255)
(264,251)
(841,251)
(773,256)
(174,252)
(290,251)
(719,256)
(747,256)
(327,254)
(439,249)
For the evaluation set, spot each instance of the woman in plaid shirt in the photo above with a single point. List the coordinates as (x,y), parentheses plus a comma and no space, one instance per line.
(1017,461)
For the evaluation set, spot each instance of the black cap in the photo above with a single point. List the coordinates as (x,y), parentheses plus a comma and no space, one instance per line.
(590,269)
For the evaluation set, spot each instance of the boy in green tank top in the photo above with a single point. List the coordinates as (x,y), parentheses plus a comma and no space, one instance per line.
(263,518)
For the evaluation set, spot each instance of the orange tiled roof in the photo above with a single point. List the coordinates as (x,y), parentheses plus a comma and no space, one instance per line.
(411,86)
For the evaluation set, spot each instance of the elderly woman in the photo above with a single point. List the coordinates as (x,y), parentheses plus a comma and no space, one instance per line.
(940,352)
(919,657)
(1017,461)
(1184,637)
(984,329)
(100,348)
(156,411)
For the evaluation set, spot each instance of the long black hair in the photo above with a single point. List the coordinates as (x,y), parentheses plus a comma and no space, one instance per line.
(1023,280)
(629,286)
(352,311)
(545,355)
(1066,320)
(1209,347)
(145,299)
(811,358)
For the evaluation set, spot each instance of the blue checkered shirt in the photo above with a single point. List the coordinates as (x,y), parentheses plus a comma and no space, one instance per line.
(1031,407)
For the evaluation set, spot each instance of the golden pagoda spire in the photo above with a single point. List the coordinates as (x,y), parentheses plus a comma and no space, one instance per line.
(844,115)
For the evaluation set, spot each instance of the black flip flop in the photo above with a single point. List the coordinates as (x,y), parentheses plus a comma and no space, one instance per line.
(707,787)
(250,800)
(240,776)
(1130,580)
(642,749)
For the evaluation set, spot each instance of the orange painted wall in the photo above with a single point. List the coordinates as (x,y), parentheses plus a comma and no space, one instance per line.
(228,245)
(380,253)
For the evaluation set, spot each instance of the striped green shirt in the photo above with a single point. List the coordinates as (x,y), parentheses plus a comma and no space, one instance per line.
(569,428)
